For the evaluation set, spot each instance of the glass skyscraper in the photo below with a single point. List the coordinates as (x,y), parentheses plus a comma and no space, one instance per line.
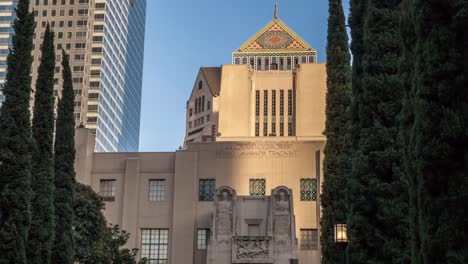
(105,41)
(7,15)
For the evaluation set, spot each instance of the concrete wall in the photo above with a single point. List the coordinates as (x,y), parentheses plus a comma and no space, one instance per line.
(280,163)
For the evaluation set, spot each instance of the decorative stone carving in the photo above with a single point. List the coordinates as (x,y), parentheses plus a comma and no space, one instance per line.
(224,212)
(252,248)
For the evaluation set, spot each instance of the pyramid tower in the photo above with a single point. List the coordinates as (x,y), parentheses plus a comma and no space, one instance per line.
(275,47)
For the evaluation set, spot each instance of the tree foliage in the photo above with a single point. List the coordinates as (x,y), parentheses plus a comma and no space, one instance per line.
(15,142)
(377,222)
(64,171)
(97,242)
(336,128)
(435,127)
(42,231)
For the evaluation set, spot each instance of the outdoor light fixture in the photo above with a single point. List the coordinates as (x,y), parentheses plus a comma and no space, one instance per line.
(341,235)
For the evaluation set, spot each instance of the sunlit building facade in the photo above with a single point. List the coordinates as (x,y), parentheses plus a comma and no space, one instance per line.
(105,41)
(245,188)
(7,15)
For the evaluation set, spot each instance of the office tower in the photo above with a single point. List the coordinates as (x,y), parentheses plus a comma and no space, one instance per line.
(7,15)
(105,41)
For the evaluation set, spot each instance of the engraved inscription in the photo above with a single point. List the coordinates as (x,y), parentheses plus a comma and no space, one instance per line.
(257,150)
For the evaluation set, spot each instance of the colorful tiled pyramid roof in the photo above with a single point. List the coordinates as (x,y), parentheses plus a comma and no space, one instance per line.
(276,36)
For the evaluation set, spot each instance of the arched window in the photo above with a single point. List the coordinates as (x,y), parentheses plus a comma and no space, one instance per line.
(200,85)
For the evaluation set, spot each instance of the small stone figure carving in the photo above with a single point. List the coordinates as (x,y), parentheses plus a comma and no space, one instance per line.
(282,204)
(252,249)
(224,213)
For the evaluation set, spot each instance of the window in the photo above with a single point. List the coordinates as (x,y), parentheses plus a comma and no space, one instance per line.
(70,23)
(190,112)
(257,186)
(44,13)
(200,85)
(80,45)
(208,105)
(82,12)
(83,1)
(77,91)
(92,108)
(203,104)
(100,5)
(309,189)
(68,46)
(93,95)
(208,118)
(107,190)
(77,115)
(154,243)
(157,189)
(196,105)
(77,103)
(96,50)
(82,23)
(92,119)
(290,111)
(98,27)
(62,12)
(53,13)
(81,34)
(69,35)
(79,57)
(309,239)
(206,189)
(99,16)
(96,62)
(57,69)
(60,35)
(97,39)
(61,23)
(94,84)
(202,238)
(95,73)
(78,68)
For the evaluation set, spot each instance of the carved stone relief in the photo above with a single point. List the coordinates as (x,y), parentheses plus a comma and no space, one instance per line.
(252,248)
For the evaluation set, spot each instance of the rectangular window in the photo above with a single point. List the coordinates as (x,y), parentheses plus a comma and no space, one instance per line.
(208,118)
(281,128)
(93,95)
(273,103)
(92,119)
(99,16)
(78,68)
(203,104)
(257,113)
(107,190)
(273,129)
(309,239)
(290,113)
(82,23)
(78,80)
(157,190)
(79,57)
(80,45)
(206,189)
(309,189)
(265,113)
(92,108)
(257,186)
(82,12)
(203,235)
(281,102)
(154,244)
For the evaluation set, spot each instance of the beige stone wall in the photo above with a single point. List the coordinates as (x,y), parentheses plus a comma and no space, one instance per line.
(280,163)
(213,112)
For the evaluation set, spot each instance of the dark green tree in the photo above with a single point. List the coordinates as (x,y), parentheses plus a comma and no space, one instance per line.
(96,241)
(436,128)
(407,65)
(15,142)
(338,100)
(64,170)
(41,233)
(377,220)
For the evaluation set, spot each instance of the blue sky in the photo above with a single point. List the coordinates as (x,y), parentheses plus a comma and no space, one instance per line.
(183,35)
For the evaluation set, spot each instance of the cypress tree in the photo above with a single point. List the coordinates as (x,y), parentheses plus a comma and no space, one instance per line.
(15,142)
(406,142)
(64,170)
(378,200)
(336,128)
(41,234)
(438,132)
